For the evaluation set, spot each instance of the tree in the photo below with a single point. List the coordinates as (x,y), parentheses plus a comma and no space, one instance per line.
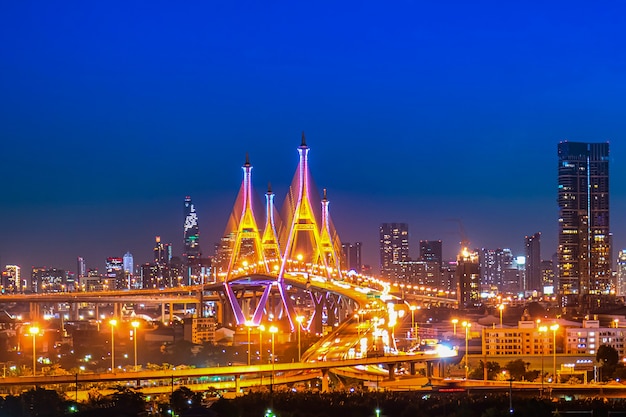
(493,368)
(516,368)
(608,358)
(184,398)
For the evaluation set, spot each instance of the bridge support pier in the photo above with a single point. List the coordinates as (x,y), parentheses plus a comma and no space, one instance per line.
(391,367)
(237,383)
(412,368)
(34,311)
(324,380)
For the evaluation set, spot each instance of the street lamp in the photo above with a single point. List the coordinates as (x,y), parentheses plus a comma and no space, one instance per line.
(34,331)
(135,325)
(554,328)
(413,308)
(501,308)
(454,323)
(261,330)
(113,323)
(299,319)
(542,331)
(467,326)
(616,323)
(273,331)
(357,316)
(249,325)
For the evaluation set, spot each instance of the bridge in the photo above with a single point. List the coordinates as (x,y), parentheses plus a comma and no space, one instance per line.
(290,275)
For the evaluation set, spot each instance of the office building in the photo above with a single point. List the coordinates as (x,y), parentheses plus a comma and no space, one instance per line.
(468,279)
(114,279)
(394,246)
(584,268)
(351,259)
(533,263)
(191,242)
(431,251)
(497,270)
(621,273)
(12,279)
(45,279)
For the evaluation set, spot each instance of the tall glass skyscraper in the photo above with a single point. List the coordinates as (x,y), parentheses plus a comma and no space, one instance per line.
(394,246)
(584,262)
(191,237)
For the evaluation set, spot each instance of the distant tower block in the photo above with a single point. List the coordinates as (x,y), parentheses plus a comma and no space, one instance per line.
(271,249)
(331,246)
(247,248)
(302,240)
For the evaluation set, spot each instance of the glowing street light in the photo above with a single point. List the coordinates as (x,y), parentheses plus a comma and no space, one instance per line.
(454,323)
(273,331)
(261,330)
(135,325)
(554,328)
(542,331)
(501,308)
(467,326)
(413,308)
(113,323)
(249,325)
(299,319)
(34,331)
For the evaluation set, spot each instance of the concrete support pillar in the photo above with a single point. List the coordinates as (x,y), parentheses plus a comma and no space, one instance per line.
(391,367)
(412,368)
(162,312)
(34,311)
(171,312)
(324,380)
(237,383)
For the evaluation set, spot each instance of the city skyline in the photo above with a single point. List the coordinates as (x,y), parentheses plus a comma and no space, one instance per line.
(420,114)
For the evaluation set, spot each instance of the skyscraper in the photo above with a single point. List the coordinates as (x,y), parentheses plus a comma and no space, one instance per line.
(191,240)
(533,263)
(621,273)
(584,269)
(394,246)
(351,259)
(431,251)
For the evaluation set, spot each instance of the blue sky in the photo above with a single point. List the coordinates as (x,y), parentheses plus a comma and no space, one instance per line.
(419,112)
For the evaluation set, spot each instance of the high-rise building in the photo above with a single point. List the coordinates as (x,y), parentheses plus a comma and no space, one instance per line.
(468,279)
(431,251)
(351,259)
(547,276)
(129,271)
(81,268)
(191,234)
(584,246)
(394,246)
(497,270)
(621,273)
(12,279)
(533,263)
(115,274)
(48,280)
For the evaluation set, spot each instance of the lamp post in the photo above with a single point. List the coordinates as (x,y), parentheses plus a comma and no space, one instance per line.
(467,326)
(554,328)
(413,308)
(249,325)
(542,331)
(501,308)
(34,331)
(299,320)
(135,325)
(261,330)
(273,331)
(454,323)
(113,323)
(616,323)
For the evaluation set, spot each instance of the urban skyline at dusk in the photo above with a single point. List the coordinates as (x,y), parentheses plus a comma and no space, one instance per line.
(423,114)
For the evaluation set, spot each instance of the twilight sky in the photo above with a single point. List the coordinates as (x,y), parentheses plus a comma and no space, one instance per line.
(419,112)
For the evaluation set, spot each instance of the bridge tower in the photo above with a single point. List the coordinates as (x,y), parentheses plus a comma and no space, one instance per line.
(329,241)
(302,239)
(269,242)
(246,231)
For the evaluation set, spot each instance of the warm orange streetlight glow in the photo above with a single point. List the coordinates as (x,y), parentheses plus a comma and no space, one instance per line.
(34,331)
(135,325)
(113,323)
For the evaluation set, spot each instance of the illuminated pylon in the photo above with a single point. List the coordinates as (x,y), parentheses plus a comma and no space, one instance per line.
(303,221)
(271,249)
(329,242)
(246,229)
